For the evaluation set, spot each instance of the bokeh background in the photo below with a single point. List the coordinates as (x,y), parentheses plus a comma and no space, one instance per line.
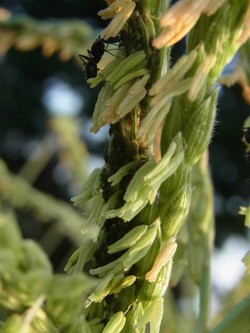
(45,110)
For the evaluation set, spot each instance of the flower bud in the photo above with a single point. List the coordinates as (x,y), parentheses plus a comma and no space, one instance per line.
(116,323)
(128,240)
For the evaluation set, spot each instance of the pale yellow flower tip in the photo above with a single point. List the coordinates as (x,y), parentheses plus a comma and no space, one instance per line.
(178,21)
(112,10)
(183,9)
(164,256)
(120,16)
(245,34)
(181,18)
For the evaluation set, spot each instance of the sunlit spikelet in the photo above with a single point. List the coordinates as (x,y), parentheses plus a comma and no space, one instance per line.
(110,115)
(113,105)
(134,253)
(172,84)
(136,93)
(164,256)
(100,108)
(89,189)
(131,238)
(145,183)
(175,74)
(151,123)
(122,172)
(245,34)
(120,11)
(181,18)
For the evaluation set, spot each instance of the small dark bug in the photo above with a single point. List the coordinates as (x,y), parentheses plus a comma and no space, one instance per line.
(246,132)
(95,54)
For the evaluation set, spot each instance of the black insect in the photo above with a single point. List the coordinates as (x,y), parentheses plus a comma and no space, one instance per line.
(246,132)
(95,54)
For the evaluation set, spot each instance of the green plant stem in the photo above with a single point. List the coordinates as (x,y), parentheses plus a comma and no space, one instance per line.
(19,194)
(237,321)
(38,160)
(205,295)
(206,229)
